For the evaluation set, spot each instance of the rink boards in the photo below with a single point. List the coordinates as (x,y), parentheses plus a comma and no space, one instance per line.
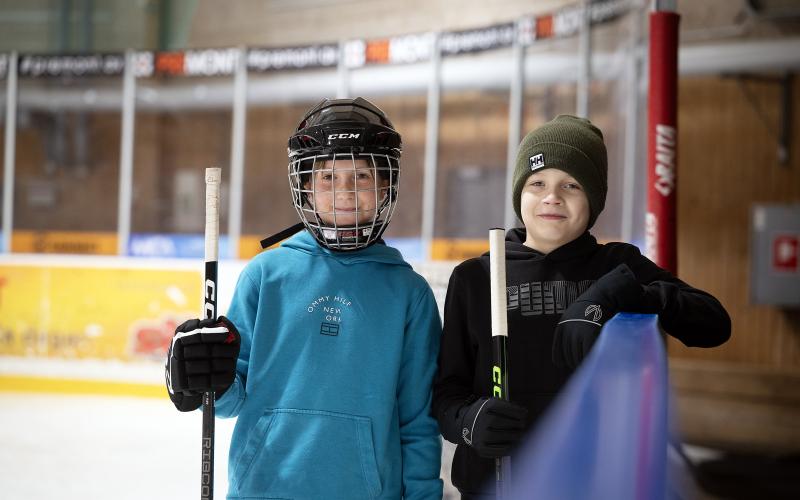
(94,325)
(102,324)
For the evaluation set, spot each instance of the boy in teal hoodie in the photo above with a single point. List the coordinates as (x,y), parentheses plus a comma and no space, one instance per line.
(329,349)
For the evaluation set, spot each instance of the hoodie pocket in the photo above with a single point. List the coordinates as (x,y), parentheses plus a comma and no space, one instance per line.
(300,454)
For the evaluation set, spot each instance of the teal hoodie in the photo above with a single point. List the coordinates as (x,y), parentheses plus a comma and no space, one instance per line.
(333,383)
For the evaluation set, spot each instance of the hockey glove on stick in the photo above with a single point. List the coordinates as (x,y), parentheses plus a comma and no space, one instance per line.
(201,358)
(581,322)
(493,427)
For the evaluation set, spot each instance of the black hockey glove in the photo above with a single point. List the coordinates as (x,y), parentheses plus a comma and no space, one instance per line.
(581,322)
(492,426)
(201,358)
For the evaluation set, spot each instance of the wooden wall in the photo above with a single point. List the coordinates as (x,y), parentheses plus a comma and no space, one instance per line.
(169,142)
(54,192)
(746,393)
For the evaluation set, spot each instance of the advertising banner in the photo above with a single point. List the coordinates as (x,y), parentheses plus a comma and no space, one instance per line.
(64,242)
(93,313)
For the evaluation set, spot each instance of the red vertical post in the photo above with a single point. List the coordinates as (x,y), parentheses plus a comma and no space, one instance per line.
(662,141)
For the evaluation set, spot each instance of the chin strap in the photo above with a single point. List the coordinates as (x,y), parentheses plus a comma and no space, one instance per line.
(282,235)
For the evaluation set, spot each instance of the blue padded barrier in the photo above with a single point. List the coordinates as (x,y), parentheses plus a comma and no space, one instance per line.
(606,435)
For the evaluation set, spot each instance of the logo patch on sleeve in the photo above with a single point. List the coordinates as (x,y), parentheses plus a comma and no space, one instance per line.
(536,161)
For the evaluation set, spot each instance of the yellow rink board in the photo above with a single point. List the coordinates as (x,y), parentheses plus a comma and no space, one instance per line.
(458,249)
(73,313)
(27,384)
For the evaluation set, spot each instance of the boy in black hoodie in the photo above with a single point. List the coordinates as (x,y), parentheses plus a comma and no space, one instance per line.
(562,287)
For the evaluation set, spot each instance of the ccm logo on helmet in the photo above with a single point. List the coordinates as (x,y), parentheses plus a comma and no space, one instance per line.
(332,137)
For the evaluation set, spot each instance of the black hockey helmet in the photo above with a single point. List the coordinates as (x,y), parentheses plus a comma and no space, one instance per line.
(345,137)
(344,125)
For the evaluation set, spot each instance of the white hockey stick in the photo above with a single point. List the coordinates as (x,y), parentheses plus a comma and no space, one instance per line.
(213,180)
(497,281)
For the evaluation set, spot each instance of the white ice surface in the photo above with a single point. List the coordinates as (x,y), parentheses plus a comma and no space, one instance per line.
(100,447)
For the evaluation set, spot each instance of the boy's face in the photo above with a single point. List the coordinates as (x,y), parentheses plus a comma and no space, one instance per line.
(554,209)
(346,191)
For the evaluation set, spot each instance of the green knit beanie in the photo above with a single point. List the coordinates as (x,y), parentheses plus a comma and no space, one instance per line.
(570,144)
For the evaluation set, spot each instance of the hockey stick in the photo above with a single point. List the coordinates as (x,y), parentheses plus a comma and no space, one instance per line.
(497,280)
(213,180)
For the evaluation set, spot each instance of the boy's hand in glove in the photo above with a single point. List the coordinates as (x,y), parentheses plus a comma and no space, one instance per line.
(493,426)
(581,322)
(201,358)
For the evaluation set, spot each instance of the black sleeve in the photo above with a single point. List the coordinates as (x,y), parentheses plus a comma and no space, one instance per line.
(690,315)
(452,389)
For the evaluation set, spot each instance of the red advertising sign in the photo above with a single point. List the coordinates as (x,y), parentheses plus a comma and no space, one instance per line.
(785,248)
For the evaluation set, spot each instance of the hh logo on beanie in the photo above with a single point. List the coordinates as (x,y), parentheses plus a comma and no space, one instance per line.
(536,161)
(571,144)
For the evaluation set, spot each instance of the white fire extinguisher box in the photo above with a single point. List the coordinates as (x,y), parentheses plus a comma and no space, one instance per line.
(775,255)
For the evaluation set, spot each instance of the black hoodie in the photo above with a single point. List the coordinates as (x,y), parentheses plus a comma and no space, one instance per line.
(539,288)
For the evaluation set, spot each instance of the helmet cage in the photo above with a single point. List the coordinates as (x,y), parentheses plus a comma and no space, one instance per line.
(363,221)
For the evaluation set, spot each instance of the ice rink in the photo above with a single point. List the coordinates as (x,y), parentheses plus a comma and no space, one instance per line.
(74,447)
(98,447)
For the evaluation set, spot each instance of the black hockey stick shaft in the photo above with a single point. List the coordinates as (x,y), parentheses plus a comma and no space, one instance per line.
(213,180)
(497,279)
